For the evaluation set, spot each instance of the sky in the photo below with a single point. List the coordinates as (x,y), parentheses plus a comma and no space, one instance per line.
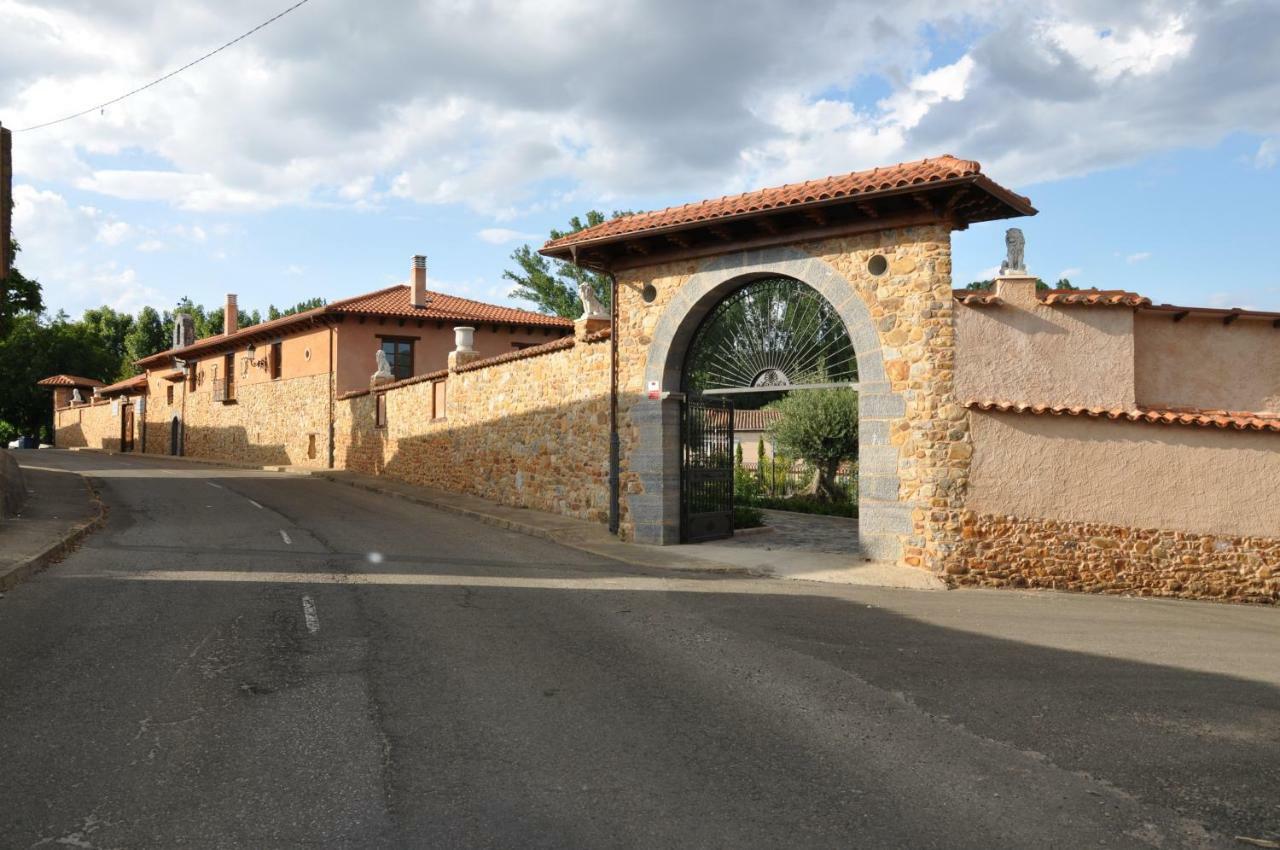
(315,157)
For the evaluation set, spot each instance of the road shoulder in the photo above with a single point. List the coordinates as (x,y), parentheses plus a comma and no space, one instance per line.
(62,508)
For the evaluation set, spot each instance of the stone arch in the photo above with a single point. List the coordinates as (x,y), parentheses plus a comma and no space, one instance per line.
(882,518)
(174,436)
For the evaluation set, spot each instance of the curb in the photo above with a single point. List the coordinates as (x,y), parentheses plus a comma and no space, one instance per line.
(24,570)
(229,464)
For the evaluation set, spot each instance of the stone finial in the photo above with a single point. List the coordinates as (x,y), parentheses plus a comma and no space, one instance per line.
(76,398)
(591,306)
(1015,245)
(464,350)
(384,375)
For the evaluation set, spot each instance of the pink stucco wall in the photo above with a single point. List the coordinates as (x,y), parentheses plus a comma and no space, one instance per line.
(1185,478)
(1025,351)
(357,344)
(1201,362)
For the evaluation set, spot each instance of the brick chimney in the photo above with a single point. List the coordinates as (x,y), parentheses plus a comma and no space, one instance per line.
(418,293)
(230,316)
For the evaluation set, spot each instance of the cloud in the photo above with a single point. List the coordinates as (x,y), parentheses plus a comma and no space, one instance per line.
(113,232)
(1138,257)
(501,236)
(491,107)
(150,246)
(1268,154)
(1070,273)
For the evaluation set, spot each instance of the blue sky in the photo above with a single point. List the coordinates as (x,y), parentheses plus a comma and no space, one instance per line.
(322,154)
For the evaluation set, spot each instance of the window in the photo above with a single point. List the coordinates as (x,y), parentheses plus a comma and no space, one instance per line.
(399,353)
(168,394)
(229,370)
(277,359)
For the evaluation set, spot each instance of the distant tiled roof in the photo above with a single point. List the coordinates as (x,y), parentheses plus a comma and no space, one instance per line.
(137,382)
(858,183)
(754,420)
(68,381)
(392,302)
(1240,421)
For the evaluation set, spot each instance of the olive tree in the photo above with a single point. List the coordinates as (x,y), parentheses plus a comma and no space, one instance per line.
(821,428)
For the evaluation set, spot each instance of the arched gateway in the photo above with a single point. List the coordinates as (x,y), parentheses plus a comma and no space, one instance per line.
(875,247)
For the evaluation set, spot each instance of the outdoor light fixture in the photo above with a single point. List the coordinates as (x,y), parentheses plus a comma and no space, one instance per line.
(253,349)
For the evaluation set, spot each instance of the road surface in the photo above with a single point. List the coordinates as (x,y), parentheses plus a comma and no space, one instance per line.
(246,659)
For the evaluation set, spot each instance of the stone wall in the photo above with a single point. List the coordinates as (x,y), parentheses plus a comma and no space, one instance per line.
(13,489)
(529,429)
(94,426)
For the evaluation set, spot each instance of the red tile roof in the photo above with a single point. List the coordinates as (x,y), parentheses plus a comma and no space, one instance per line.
(137,382)
(1240,421)
(754,420)
(1095,297)
(976,297)
(858,183)
(68,381)
(392,302)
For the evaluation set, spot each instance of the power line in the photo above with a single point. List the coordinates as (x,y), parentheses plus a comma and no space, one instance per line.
(166,76)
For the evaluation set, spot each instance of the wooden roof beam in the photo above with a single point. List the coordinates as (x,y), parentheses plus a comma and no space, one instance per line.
(1180,315)
(1228,319)
(869,209)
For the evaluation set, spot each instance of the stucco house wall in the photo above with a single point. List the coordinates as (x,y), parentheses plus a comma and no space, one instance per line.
(94,425)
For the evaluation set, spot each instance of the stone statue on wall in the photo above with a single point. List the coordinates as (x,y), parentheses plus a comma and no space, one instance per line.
(1015,244)
(384,366)
(76,398)
(591,306)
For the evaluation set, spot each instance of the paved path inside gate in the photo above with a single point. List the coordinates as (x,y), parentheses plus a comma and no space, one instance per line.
(835,535)
(248,659)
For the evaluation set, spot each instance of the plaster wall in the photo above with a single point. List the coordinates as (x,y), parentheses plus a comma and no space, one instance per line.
(1200,362)
(1183,478)
(1023,350)
(92,426)
(357,344)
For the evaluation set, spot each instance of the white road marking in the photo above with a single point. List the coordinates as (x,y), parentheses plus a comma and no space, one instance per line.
(256,505)
(285,535)
(310,615)
(211,484)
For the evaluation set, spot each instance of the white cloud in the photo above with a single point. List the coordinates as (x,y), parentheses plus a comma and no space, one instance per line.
(294,270)
(501,236)
(113,232)
(1268,154)
(1137,257)
(150,246)
(1070,273)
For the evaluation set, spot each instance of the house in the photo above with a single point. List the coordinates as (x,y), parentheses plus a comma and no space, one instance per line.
(749,428)
(265,393)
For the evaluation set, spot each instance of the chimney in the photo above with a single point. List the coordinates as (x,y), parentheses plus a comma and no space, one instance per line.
(418,293)
(230,316)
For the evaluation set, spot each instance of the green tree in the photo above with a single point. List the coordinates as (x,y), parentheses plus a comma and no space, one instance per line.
(552,285)
(1062,284)
(112,329)
(147,337)
(301,307)
(821,428)
(36,348)
(18,295)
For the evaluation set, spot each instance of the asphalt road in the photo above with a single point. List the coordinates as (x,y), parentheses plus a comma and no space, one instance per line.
(244,659)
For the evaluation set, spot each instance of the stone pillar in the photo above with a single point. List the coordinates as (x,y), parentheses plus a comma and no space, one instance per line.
(464,350)
(1016,288)
(584,327)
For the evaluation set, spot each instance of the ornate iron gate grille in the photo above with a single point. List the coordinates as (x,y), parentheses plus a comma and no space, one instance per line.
(706,470)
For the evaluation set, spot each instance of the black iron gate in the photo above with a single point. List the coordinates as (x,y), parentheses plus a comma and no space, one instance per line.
(706,469)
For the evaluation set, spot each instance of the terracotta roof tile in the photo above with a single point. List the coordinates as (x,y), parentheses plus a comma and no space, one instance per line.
(754,420)
(134,383)
(882,179)
(68,381)
(976,297)
(392,301)
(533,351)
(1095,298)
(1237,420)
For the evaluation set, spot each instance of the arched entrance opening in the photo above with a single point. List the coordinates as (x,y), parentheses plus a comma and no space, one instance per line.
(767,339)
(175,436)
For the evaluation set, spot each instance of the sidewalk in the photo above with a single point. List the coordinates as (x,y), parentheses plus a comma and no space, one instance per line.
(61,509)
(595,538)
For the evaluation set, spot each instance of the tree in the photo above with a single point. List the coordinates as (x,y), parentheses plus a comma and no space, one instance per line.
(147,337)
(18,294)
(1062,284)
(300,307)
(552,285)
(112,329)
(821,428)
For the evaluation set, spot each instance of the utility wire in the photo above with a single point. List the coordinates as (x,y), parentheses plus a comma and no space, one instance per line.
(166,76)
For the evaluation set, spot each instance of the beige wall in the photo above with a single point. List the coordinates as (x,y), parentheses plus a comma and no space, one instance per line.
(530,432)
(1182,478)
(1026,351)
(357,344)
(1200,362)
(92,426)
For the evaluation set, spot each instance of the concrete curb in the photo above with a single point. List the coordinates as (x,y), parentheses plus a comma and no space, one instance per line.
(20,572)
(230,464)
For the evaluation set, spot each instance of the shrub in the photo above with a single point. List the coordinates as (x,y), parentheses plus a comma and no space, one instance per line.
(745,516)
